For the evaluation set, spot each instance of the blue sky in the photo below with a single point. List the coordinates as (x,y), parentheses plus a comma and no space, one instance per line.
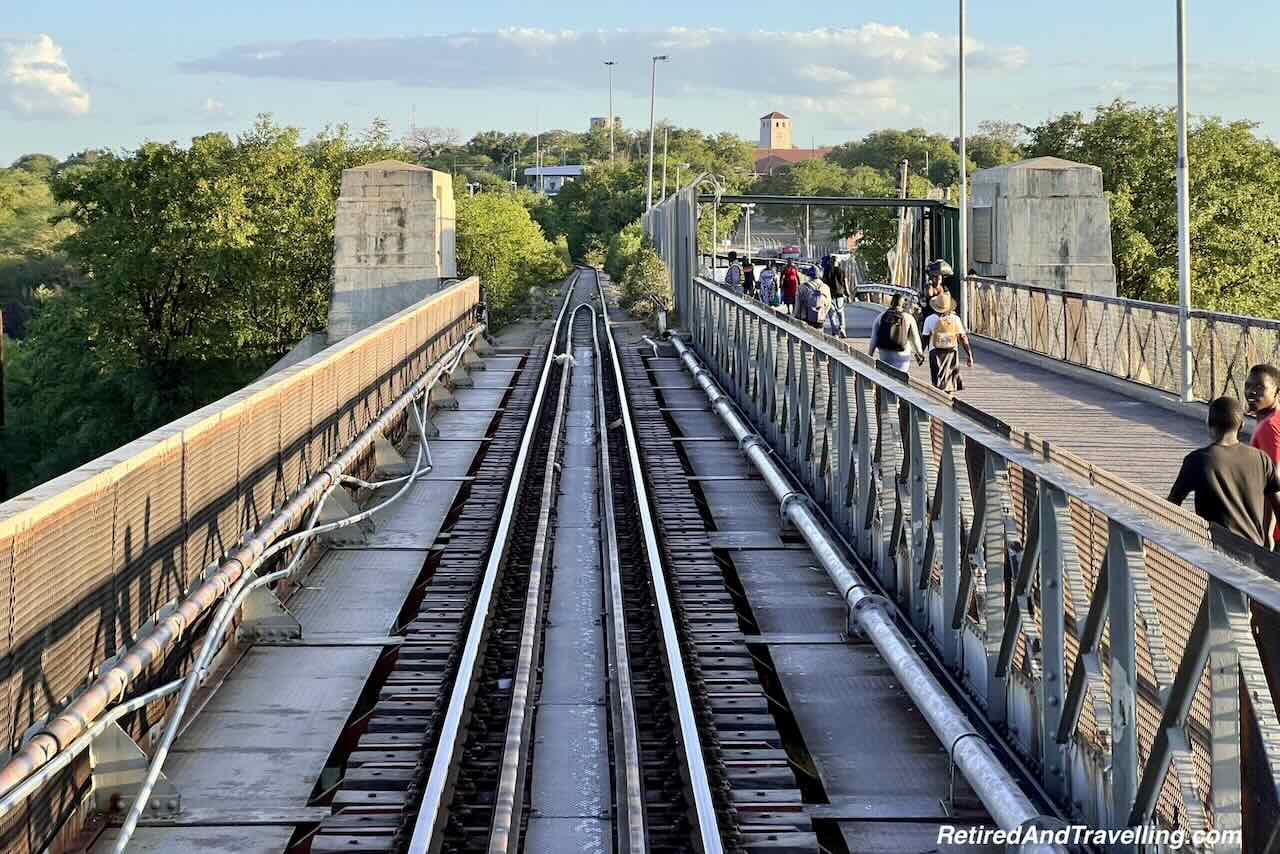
(80,75)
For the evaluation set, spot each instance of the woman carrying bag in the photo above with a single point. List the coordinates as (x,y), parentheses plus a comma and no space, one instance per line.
(944,334)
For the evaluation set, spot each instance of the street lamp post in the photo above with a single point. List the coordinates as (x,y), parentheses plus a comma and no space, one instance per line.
(666,136)
(1184,215)
(749,208)
(610,63)
(653,84)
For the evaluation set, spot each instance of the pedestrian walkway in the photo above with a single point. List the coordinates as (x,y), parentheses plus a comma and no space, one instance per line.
(1130,437)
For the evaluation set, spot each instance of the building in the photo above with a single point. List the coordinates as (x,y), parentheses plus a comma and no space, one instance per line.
(776,148)
(775,131)
(553,177)
(602,123)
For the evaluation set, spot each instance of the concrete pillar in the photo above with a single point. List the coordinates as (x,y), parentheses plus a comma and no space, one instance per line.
(393,242)
(1042,222)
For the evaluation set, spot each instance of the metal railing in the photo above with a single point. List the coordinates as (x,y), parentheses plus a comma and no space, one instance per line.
(1090,622)
(97,560)
(1129,339)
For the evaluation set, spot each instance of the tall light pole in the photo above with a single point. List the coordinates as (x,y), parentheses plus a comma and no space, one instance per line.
(963,249)
(1184,214)
(610,63)
(749,209)
(653,84)
(666,134)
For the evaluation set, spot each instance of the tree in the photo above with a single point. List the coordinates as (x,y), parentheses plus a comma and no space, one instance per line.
(598,204)
(431,141)
(646,284)
(498,241)
(986,150)
(1012,134)
(883,150)
(40,165)
(1234,179)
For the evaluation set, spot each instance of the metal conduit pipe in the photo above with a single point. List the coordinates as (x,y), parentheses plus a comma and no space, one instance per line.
(76,719)
(991,781)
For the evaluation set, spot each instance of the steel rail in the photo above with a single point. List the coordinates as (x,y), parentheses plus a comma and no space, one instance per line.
(504,828)
(695,761)
(998,790)
(431,810)
(628,785)
(155,644)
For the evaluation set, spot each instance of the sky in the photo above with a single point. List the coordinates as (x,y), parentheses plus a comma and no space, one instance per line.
(77,75)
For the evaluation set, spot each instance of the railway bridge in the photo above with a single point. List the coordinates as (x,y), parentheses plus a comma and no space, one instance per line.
(576,588)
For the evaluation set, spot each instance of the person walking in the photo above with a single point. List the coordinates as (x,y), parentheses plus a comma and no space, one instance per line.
(1262,394)
(933,285)
(733,275)
(748,278)
(1233,483)
(895,337)
(840,298)
(790,286)
(768,285)
(944,335)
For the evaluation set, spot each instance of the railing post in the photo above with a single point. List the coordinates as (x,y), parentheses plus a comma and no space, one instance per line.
(1124,548)
(1225,719)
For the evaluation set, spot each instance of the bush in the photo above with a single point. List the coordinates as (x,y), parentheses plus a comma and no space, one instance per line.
(623,248)
(646,285)
(595,254)
(499,241)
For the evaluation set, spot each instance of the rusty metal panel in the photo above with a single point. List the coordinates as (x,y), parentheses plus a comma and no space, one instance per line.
(324,418)
(211,499)
(259,458)
(61,600)
(295,434)
(6,636)
(148,560)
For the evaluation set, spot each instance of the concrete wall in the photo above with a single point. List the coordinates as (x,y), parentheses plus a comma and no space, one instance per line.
(1050,225)
(393,242)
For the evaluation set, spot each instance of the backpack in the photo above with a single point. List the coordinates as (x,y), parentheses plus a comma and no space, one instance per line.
(733,275)
(802,301)
(816,306)
(768,285)
(892,332)
(946,335)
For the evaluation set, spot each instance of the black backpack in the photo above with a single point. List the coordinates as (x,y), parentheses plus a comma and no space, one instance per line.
(892,332)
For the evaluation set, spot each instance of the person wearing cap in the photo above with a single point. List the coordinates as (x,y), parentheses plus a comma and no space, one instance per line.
(944,334)
(934,273)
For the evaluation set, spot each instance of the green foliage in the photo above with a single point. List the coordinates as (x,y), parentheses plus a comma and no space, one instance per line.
(203,264)
(499,241)
(623,248)
(595,254)
(883,150)
(987,150)
(1235,223)
(598,204)
(646,284)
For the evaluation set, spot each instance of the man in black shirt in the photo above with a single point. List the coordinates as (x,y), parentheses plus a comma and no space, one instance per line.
(1232,482)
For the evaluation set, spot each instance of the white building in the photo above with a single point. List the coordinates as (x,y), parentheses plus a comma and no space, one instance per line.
(553,177)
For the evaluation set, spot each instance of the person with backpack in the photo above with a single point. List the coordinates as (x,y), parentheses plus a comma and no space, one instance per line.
(804,297)
(817,303)
(748,278)
(733,275)
(768,286)
(895,338)
(790,286)
(944,334)
(835,282)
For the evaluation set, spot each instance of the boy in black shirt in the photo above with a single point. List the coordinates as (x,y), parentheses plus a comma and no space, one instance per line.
(1232,481)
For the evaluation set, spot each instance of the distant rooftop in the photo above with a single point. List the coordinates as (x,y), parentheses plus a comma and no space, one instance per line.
(554,171)
(775,115)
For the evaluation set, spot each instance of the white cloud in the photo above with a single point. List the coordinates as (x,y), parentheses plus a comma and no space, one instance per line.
(865,65)
(35,80)
(214,107)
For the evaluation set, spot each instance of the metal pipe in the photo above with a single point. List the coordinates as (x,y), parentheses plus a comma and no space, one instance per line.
(155,644)
(994,785)
(16,795)
(1184,216)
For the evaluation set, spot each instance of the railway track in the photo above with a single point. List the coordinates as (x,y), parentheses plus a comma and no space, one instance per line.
(567,679)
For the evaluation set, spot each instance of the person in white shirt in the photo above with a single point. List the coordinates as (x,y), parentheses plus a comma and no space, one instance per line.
(895,339)
(944,333)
